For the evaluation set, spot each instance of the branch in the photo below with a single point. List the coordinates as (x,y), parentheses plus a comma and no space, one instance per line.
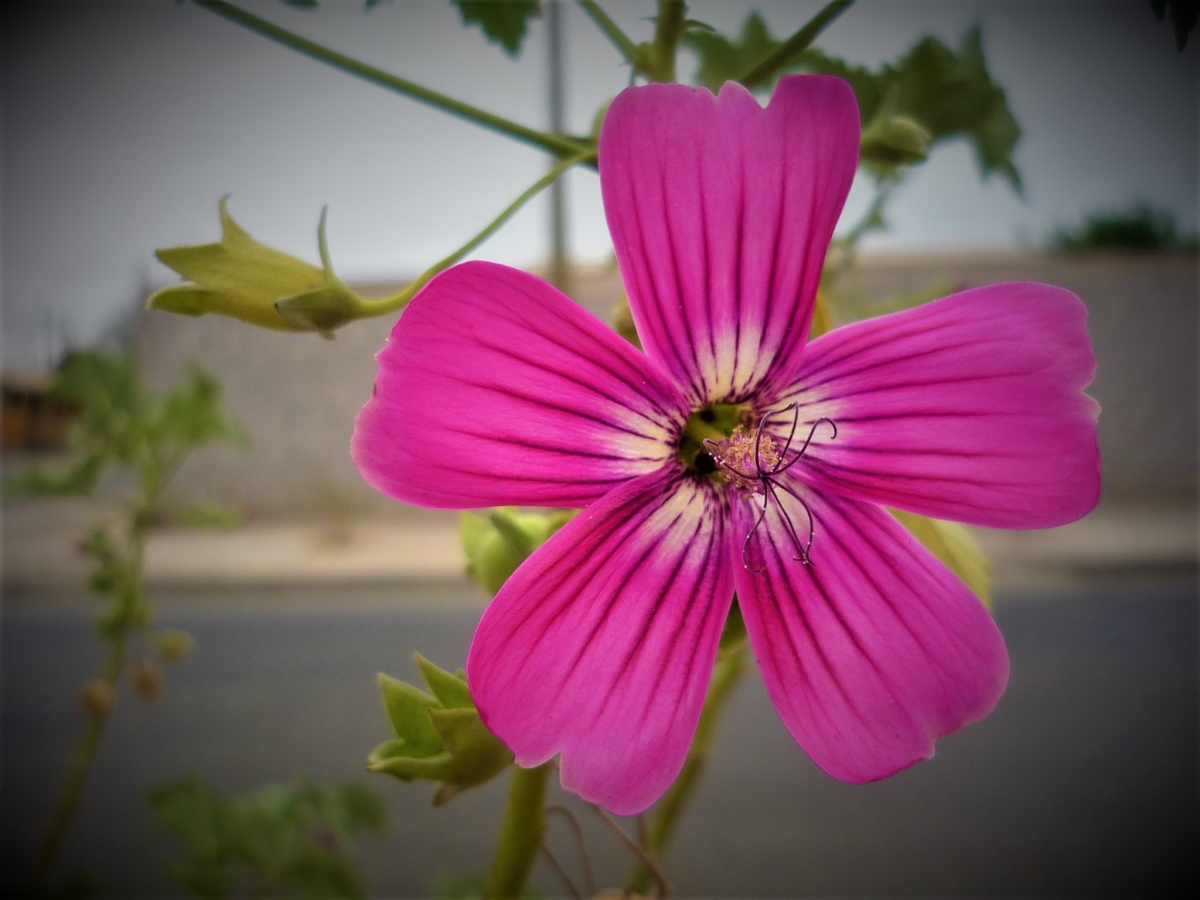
(762,71)
(556,144)
(398,301)
(613,32)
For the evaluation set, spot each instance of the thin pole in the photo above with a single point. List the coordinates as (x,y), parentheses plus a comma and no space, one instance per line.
(559,269)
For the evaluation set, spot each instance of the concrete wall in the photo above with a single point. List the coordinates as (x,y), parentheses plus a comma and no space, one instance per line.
(298,394)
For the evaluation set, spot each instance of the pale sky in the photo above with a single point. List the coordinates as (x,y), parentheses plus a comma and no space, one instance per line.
(125,121)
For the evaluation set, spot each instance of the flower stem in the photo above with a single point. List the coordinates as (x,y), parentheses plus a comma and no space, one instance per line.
(762,71)
(398,301)
(79,768)
(110,673)
(667,35)
(731,666)
(613,32)
(520,833)
(556,144)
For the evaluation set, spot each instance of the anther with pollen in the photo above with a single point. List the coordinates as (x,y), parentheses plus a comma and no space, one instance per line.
(754,464)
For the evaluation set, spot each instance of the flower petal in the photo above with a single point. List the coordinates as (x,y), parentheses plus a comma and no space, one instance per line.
(721,212)
(874,650)
(601,645)
(495,388)
(969,408)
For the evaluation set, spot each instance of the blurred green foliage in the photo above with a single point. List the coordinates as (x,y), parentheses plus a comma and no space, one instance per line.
(504,22)
(945,93)
(1138,226)
(123,425)
(286,840)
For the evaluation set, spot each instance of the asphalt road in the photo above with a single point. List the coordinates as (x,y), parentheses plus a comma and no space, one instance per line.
(1083,783)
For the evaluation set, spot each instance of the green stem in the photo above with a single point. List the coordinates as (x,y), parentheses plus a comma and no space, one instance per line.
(762,71)
(556,144)
(110,673)
(667,35)
(79,768)
(613,32)
(520,833)
(399,301)
(731,666)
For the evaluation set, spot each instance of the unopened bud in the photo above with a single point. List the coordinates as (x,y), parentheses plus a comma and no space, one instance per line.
(148,681)
(890,141)
(244,279)
(97,698)
(174,645)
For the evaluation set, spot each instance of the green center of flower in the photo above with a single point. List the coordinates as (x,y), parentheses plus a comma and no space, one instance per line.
(715,422)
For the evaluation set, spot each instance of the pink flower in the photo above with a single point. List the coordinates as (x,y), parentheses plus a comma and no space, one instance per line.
(496,389)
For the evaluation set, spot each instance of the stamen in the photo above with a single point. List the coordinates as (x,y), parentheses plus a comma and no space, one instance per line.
(754,464)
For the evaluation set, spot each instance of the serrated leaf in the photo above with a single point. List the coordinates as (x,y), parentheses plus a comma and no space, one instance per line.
(945,93)
(722,59)
(954,545)
(408,710)
(950,94)
(504,22)
(449,689)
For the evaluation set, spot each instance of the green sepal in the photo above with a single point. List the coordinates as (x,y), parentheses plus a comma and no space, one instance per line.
(408,710)
(244,279)
(439,737)
(449,689)
(956,547)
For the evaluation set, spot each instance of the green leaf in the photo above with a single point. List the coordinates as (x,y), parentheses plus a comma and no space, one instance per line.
(449,689)
(928,95)
(949,94)
(212,516)
(1137,227)
(504,22)
(78,478)
(192,414)
(954,545)
(289,840)
(244,279)
(408,710)
(722,59)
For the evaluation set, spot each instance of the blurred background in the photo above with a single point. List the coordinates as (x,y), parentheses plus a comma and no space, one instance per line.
(125,122)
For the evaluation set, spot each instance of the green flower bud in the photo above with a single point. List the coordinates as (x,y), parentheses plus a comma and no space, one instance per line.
(97,698)
(174,645)
(241,278)
(890,141)
(148,681)
(497,545)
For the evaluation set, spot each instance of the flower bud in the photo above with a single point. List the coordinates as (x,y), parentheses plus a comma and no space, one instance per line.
(174,645)
(497,545)
(893,140)
(241,278)
(97,698)
(148,681)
